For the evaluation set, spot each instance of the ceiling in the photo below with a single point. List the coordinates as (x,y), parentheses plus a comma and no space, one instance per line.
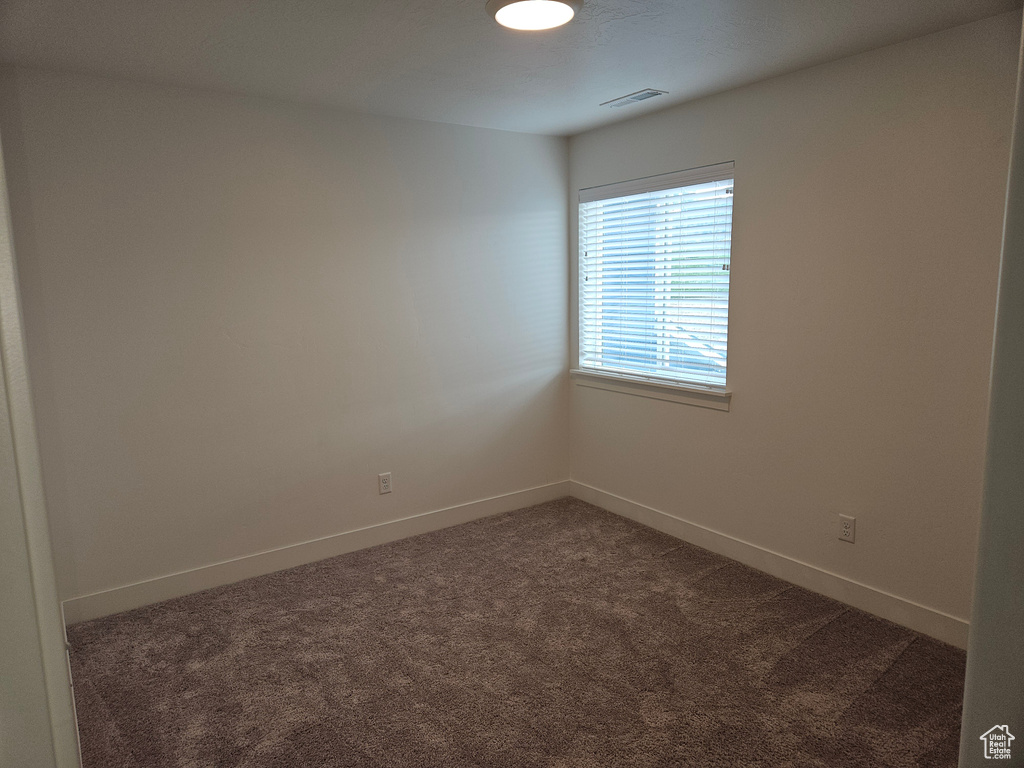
(448,61)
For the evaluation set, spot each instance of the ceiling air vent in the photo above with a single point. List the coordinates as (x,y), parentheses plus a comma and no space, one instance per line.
(633,98)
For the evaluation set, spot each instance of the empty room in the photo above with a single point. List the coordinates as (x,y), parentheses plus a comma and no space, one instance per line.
(511,383)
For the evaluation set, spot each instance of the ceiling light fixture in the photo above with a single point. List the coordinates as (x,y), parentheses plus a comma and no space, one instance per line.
(533,14)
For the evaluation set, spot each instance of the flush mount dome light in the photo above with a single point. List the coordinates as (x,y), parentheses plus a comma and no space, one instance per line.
(533,14)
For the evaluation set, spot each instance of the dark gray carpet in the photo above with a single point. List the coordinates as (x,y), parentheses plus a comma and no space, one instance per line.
(558,635)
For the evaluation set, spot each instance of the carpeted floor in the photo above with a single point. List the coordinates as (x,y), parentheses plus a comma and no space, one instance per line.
(559,635)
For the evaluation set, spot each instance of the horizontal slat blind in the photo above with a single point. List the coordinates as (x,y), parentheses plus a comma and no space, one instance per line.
(654,277)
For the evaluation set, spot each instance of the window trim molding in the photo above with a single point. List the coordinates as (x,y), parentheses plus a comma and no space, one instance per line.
(671,389)
(654,388)
(660,182)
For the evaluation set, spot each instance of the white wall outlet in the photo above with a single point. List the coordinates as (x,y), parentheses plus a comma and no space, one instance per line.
(847,528)
(384,482)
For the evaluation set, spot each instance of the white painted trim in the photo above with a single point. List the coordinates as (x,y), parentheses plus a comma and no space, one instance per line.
(929,621)
(653,388)
(154,590)
(994,684)
(17,419)
(907,613)
(671,180)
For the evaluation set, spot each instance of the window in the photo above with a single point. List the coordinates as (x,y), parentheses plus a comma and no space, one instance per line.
(654,277)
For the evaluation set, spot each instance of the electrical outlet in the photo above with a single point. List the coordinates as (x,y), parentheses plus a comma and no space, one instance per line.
(847,528)
(384,482)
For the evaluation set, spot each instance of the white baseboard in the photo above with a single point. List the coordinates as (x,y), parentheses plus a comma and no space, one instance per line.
(920,618)
(154,590)
(929,621)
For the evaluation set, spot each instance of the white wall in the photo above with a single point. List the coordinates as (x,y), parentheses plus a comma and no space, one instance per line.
(238,312)
(866,244)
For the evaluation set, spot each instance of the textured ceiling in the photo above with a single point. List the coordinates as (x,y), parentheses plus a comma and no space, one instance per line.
(448,61)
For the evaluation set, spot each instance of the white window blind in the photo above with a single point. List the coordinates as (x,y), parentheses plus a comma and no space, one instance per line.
(654,276)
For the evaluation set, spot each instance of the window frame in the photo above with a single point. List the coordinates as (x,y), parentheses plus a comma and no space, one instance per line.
(642,383)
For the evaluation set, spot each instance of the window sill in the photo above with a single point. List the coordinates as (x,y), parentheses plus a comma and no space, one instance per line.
(657,390)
